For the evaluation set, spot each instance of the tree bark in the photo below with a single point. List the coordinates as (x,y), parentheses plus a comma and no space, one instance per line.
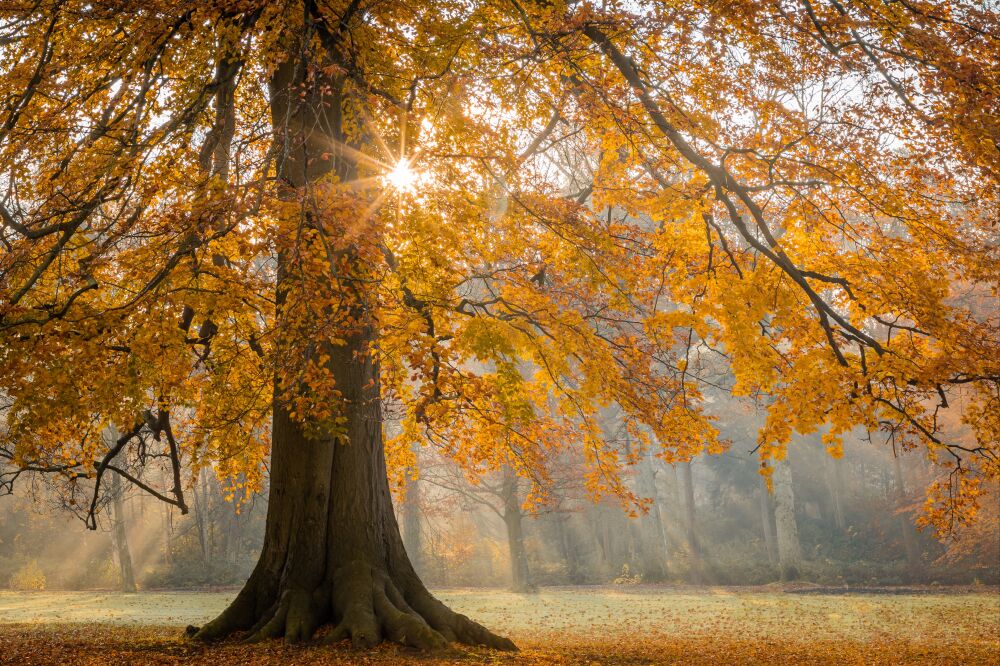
(789,550)
(332,550)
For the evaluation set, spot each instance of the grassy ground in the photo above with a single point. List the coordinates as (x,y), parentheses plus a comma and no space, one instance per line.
(621,625)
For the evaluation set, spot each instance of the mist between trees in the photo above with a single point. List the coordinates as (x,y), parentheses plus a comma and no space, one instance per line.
(846,522)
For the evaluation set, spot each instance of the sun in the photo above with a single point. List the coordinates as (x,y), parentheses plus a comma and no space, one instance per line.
(402,177)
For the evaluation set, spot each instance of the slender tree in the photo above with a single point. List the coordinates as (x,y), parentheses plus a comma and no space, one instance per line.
(120,536)
(412,531)
(786,524)
(691,526)
(767,524)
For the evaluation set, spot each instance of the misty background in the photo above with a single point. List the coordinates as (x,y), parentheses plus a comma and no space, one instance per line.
(847,522)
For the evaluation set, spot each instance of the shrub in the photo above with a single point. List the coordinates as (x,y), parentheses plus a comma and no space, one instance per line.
(29,577)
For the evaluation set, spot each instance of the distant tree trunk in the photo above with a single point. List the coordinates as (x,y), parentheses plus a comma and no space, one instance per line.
(595,520)
(789,550)
(694,549)
(211,528)
(567,548)
(411,524)
(905,526)
(767,525)
(836,483)
(120,535)
(168,535)
(673,516)
(199,516)
(232,535)
(652,546)
(519,575)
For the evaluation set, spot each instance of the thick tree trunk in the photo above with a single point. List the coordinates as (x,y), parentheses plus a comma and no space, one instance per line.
(332,550)
(520,576)
(789,550)
(120,536)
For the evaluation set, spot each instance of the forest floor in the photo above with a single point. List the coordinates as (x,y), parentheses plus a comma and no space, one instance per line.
(582,625)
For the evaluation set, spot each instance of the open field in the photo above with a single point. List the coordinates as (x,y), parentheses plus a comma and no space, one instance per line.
(626,625)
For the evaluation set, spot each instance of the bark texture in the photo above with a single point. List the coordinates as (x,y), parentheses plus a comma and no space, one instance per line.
(332,552)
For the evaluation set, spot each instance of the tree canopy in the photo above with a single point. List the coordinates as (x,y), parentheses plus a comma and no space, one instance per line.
(551,207)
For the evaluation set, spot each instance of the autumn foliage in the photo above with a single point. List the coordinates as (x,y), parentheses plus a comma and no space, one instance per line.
(618,203)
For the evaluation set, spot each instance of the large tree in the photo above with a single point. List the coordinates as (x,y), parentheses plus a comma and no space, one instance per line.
(234,229)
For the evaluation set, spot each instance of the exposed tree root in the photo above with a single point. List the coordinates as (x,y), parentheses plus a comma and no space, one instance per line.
(366,607)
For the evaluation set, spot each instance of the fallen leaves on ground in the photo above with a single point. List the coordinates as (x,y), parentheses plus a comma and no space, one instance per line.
(588,625)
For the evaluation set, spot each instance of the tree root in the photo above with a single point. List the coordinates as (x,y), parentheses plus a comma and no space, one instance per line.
(238,616)
(369,607)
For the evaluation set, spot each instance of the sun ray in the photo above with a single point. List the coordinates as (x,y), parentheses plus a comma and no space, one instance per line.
(374,205)
(359,156)
(378,137)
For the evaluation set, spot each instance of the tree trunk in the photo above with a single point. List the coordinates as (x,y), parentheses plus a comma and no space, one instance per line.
(836,481)
(673,517)
(199,515)
(120,535)
(767,524)
(905,527)
(332,550)
(652,544)
(694,548)
(411,523)
(520,577)
(789,550)
(568,549)
(231,553)
(168,535)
